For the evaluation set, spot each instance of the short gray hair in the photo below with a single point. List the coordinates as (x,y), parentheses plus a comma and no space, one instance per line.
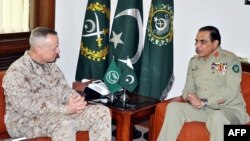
(40,34)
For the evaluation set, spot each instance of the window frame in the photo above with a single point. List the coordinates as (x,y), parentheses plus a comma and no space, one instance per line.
(13,45)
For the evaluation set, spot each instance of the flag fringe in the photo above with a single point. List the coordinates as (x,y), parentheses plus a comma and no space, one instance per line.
(168,88)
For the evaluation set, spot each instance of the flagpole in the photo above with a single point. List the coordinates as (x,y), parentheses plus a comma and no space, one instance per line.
(124,97)
(112,97)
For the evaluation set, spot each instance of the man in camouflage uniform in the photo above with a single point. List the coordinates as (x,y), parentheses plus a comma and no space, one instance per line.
(212,90)
(39,102)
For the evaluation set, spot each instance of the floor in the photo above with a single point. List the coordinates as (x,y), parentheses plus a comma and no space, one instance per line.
(143,127)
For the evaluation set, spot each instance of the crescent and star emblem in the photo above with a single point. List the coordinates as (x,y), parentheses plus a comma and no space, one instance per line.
(130,79)
(161,25)
(93,27)
(94,43)
(117,37)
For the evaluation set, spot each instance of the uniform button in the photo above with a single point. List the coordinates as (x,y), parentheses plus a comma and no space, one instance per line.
(205,89)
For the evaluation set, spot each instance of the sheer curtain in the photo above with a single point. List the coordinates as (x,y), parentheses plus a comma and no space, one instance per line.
(14,16)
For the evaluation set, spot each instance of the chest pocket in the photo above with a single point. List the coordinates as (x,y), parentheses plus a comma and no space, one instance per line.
(37,82)
(218,77)
(195,72)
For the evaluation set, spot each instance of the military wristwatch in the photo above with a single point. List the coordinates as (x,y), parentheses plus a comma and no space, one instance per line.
(204,102)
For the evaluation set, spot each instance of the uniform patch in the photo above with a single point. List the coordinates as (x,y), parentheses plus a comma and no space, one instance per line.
(195,69)
(236,68)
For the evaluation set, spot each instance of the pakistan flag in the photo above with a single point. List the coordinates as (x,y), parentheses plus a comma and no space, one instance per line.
(128,78)
(126,39)
(156,77)
(92,61)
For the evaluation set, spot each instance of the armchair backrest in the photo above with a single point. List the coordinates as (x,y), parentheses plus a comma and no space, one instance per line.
(245,89)
(2,105)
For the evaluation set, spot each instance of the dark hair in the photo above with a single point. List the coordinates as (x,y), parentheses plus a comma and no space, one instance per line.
(40,33)
(214,33)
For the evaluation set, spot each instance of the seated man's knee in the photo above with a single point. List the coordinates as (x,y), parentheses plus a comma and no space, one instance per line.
(68,123)
(65,127)
(173,107)
(103,112)
(218,117)
(104,109)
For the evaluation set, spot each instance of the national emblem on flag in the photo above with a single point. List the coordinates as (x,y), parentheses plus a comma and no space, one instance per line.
(128,78)
(156,76)
(126,37)
(92,61)
(112,77)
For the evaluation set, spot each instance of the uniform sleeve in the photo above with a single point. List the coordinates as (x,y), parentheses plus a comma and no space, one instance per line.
(189,85)
(24,100)
(65,89)
(231,89)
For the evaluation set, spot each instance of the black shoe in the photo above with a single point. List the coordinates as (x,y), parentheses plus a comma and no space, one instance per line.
(114,133)
(136,133)
(145,135)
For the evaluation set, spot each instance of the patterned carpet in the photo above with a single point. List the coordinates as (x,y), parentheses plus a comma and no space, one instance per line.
(143,129)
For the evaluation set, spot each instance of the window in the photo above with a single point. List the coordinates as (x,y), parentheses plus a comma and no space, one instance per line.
(13,45)
(14,16)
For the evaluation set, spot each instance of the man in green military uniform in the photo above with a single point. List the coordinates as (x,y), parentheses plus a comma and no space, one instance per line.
(212,90)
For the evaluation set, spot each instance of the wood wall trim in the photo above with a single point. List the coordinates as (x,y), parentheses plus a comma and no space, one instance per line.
(42,13)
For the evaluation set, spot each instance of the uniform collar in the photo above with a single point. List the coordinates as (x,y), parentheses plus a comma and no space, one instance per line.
(216,54)
(34,66)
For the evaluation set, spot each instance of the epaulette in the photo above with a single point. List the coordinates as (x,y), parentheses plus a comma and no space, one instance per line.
(195,56)
(229,53)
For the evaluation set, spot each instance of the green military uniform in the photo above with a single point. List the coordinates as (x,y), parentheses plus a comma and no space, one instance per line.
(216,79)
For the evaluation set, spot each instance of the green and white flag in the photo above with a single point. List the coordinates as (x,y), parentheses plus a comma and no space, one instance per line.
(156,76)
(93,55)
(112,77)
(126,37)
(128,78)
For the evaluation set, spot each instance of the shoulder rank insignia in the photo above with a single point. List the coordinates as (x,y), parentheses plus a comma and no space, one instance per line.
(228,53)
(216,54)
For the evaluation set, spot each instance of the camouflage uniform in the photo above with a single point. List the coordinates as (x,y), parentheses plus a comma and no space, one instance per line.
(36,99)
(215,79)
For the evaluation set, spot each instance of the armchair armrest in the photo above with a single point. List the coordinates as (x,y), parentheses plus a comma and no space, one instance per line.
(174,99)
(80,86)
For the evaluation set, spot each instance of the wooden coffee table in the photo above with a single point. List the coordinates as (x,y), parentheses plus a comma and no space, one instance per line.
(127,114)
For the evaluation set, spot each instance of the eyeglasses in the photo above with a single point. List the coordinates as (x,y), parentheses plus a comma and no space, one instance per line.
(202,42)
